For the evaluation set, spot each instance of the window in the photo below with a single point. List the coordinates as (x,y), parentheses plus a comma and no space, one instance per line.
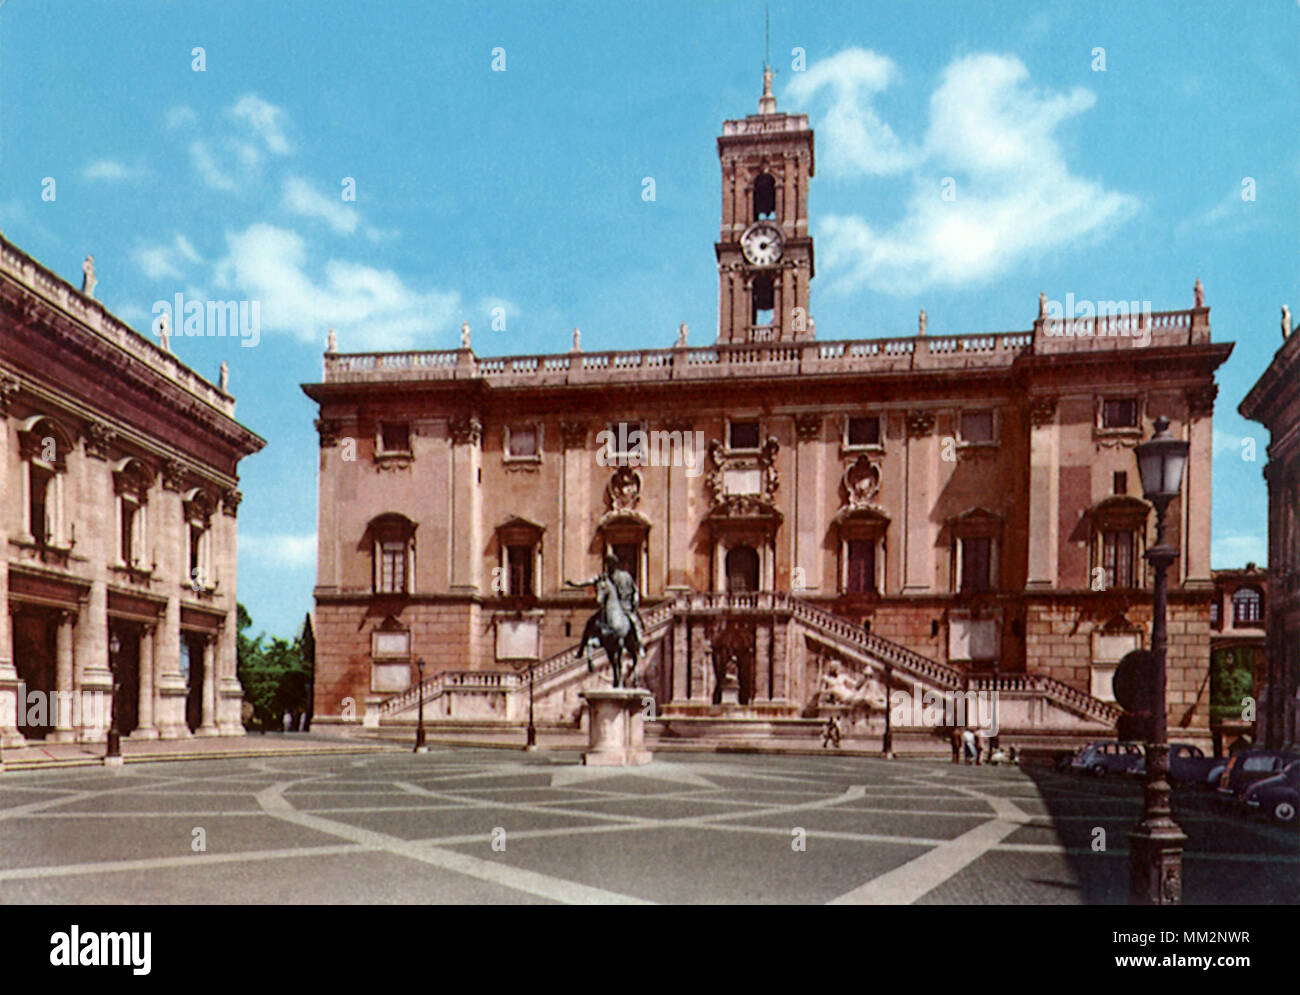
(1119,482)
(522,442)
(862,566)
(976,563)
(1214,613)
(743,435)
(40,505)
(196,551)
(861,432)
(395,437)
(1246,606)
(1117,558)
(392,567)
(199,508)
(629,557)
(1119,412)
(519,570)
(763,301)
(764,197)
(126,548)
(627,444)
(393,550)
(977,426)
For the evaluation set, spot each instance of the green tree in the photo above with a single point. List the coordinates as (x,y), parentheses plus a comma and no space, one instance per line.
(274,673)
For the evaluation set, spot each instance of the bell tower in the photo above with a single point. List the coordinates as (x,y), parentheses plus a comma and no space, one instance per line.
(765,256)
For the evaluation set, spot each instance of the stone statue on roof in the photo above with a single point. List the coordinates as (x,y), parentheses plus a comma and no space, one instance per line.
(88,280)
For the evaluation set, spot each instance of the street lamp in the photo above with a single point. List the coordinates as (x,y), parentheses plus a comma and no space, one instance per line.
(113,747)
(1156,844)
(419,725)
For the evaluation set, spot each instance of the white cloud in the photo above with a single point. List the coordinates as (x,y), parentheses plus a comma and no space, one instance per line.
(372,309)
(301,197)
(205,164)
(1229,552)
(860,143)
(284,549)
(160,262)
(993,137)
(266,120)
(181,116)
(112,171)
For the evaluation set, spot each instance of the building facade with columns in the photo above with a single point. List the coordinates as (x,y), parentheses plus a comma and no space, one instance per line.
(119,496)
(1274,402)
(913,513)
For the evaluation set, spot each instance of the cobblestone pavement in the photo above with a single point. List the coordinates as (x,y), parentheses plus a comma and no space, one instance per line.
(478,825)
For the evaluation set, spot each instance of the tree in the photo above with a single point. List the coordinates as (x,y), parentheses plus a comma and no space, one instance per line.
(274,674)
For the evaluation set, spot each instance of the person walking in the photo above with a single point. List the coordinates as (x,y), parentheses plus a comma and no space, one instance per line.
(968,745)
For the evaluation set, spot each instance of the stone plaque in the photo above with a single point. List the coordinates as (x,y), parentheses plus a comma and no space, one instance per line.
(517,639)
(390,676)
(391,644)
(748,481)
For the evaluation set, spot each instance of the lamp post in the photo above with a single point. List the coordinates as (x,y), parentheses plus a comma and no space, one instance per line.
(113,746)
(531,743)
(1156,843)
(419,724)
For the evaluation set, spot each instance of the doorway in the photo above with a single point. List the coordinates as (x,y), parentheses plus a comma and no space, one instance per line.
(742,570)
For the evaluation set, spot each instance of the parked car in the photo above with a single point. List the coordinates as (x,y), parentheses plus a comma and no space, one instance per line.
(1100,759)
(1249,766)
(1277,796)
(1188,764)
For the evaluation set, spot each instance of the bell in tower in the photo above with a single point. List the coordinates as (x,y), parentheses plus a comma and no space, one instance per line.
(765,256)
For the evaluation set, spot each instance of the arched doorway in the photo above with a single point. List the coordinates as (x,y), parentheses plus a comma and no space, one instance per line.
(742,570)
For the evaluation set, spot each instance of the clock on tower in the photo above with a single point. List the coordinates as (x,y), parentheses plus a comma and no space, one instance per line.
(765,256)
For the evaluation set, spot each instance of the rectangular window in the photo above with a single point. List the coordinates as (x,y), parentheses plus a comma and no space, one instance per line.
(128,533)
(523,441)
(743,435)
(862,566)
(977,564)
(629,557)
(38,505)
(392,566)
(1119,412)
(1119,482)
(1117,558)
(625,443)
(519,565)
(863,432)
(977,426)
(395,437)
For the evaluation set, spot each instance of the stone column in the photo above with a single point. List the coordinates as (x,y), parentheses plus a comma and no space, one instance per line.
(780,661)
(680,520)
(9,733)
(762,661)
(699,663)
(466,505)
(1044,494)
(921,485)
(574,503)
(1195,532)
(172,551)
(230,693)
(64,691)
(97,542)
(809,493)
(145,728)
(681,663)
(208,725)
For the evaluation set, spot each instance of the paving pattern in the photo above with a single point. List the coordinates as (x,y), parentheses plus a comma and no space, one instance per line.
(494,826)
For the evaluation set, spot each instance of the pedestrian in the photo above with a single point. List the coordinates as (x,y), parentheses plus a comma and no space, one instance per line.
(955,739)
(981,745)
(968,745)
(831,733)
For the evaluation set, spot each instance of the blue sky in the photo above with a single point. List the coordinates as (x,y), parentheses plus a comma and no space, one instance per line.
(522,189)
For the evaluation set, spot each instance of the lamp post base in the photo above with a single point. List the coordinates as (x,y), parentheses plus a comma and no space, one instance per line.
(1156,864)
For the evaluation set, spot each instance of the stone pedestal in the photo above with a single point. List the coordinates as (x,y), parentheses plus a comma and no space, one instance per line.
(617,728)
(730,690)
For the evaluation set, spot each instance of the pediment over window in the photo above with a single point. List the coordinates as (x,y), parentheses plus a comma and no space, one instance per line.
(863,522)
(390,525)
(975,522)
(199,504)
(131,476)
(1119,511)
(516,530)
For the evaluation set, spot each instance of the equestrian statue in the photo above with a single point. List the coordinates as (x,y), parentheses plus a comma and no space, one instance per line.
(616,626)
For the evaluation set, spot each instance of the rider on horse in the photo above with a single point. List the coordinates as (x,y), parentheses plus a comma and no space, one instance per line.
(628,597)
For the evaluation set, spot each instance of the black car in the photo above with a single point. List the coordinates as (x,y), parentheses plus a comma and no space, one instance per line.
(1249,766)
(1277,796)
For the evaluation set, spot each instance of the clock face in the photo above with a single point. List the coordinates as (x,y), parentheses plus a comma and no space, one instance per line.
(762,244)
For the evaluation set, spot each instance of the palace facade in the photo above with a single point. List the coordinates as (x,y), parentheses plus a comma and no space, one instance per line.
(812,521)
(1274,401)
(118,484)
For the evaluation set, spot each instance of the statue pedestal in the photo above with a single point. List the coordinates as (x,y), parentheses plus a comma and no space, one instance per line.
(617,728)
(730,690)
